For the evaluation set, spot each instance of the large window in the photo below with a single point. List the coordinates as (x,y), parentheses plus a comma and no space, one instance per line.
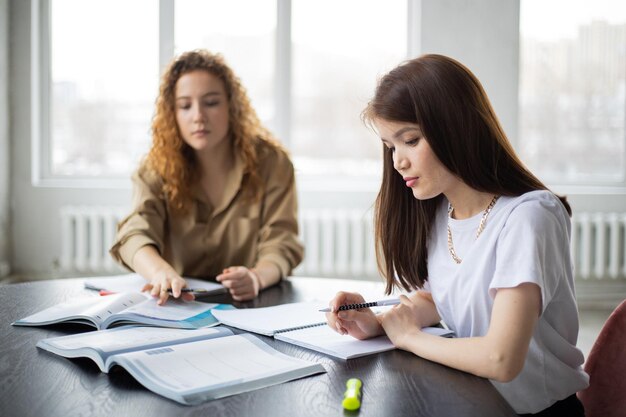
(309,72)
(103,78)
(337,56)
(573,90)
(246,39)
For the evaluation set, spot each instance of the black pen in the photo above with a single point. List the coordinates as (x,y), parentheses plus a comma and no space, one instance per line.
(169,290)
(390,302)
(193,290)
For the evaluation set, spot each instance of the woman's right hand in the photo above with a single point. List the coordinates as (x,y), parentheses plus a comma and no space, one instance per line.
(162,282)
(360,324)
(161,277)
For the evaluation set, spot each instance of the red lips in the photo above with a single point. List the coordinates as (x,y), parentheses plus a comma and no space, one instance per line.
(410,181)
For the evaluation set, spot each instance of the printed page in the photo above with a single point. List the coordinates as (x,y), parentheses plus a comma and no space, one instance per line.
(326,340)
(135,282)
(214,368)
(96,308)
(131,338)
(112,304)
(269,320)
(173,310)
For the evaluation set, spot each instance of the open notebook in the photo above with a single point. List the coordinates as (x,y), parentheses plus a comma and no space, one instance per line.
(187,366)
(302,324)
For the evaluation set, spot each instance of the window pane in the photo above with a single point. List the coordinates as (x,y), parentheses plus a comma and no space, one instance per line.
(104,78)
(573,90)
(340,48)
(245,39)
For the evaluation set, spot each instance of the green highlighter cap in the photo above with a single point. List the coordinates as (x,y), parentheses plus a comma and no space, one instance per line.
(352,396)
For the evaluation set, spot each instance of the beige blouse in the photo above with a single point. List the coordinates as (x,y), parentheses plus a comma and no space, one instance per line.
(207,239)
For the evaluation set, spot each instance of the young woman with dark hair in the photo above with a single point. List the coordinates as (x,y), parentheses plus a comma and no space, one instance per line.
(483,241)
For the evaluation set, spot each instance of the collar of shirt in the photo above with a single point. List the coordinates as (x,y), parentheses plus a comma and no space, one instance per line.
(234,182)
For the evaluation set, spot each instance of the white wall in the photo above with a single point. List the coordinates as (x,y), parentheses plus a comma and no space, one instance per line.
(484,36)
(4,138)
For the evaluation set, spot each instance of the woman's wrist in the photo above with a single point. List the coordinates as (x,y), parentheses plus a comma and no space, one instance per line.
(256,278)
(267,273)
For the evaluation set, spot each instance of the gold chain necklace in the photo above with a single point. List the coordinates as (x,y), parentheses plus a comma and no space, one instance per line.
(481,226)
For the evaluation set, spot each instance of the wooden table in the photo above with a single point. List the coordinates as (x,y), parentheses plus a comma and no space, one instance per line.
(37,383)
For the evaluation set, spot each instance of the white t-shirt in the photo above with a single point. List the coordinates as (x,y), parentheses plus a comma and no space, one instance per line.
(525,239)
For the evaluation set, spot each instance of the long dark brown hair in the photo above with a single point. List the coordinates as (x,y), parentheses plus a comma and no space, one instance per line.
(453,111)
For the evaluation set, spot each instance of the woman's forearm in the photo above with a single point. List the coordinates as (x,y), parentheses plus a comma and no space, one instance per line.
(148,263)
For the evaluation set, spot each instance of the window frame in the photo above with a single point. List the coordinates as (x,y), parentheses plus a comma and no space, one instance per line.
(41,170)
(41,174)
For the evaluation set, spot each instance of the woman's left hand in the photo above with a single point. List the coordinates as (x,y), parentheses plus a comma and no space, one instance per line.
(243,283)
(402,321)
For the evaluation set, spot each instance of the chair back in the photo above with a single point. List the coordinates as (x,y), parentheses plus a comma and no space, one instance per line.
(606,366)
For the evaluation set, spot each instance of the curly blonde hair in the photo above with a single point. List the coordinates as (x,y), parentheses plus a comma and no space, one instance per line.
(173,160)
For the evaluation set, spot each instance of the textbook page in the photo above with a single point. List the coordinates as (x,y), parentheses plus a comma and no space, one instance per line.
(88,310)
(101,345)
(135,282)
(194,372)
(174,313)
(270,320)
(127,308)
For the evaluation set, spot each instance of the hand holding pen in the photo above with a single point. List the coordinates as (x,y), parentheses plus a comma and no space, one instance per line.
(380,303)
(358,322)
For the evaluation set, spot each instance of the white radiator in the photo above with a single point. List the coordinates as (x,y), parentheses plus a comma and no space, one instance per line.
(87,233)
(339,243)
(599,245)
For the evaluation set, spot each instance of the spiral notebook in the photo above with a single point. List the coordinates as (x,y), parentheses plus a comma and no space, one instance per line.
(276,319)
(302,324)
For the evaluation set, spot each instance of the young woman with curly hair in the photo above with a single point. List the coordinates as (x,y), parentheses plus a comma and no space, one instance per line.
(215,196)
(459,218)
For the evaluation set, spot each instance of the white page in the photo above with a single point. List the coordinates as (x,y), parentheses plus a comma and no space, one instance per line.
(172,310)
(215,362)
(268,320)
(113,304)
(97,307)
(127,337)
(326,340)
(135,282)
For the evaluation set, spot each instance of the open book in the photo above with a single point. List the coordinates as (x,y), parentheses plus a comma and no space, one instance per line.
(302,324)
(187,366)
(135,282)
(127,308)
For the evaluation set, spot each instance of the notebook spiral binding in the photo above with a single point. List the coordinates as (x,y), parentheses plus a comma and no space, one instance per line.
(306,326)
